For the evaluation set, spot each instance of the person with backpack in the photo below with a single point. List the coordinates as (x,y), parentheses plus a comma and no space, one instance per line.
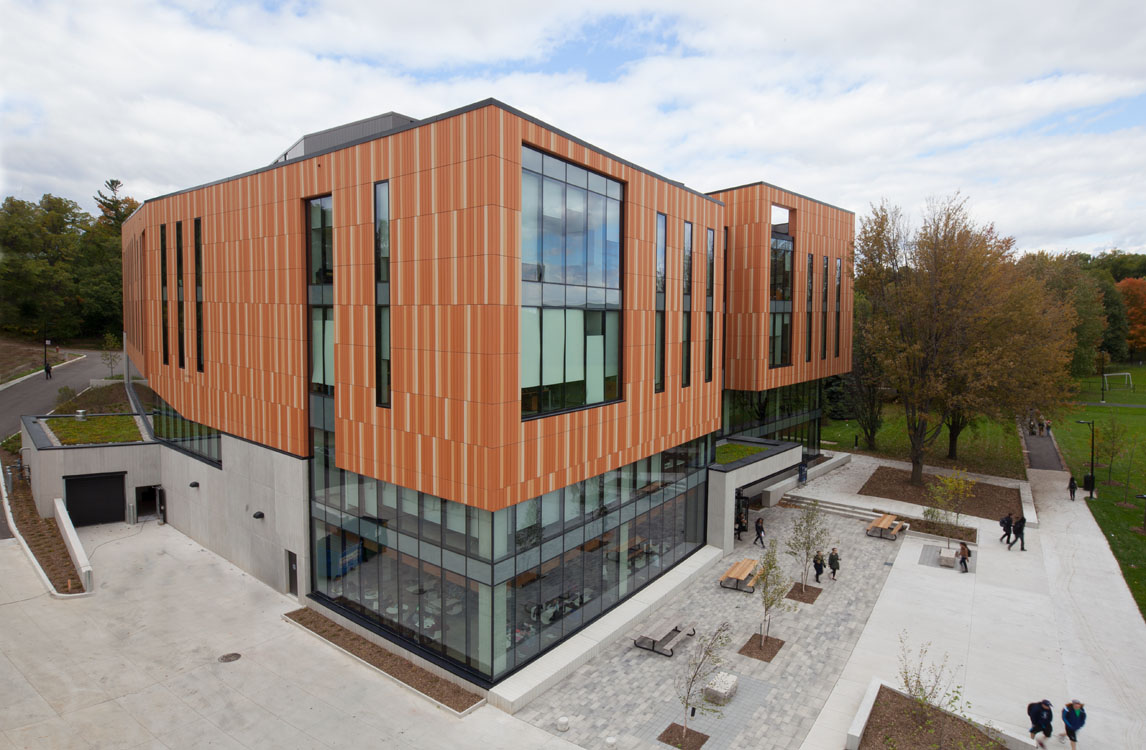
(963,554)
(1073,717)
(1041,718)
(1006,522)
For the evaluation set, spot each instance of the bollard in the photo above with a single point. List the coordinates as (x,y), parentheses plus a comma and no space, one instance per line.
(563,724)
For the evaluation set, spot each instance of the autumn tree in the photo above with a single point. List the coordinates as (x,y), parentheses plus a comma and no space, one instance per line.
(863,387)
(1134,297)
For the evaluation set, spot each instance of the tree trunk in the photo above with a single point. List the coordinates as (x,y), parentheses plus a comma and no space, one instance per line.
(953,440)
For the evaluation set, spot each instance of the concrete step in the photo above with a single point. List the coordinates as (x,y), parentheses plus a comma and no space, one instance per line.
(838,509)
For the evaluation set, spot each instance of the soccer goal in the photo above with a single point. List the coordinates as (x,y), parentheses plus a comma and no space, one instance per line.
(1118,381)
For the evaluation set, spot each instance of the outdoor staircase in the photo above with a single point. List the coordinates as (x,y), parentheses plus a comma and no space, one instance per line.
(838,509)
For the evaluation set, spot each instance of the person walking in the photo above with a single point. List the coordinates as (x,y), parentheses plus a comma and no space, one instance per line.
(1073,717)
(47,370)
(1019,532)
(963,554)
(741,526)
(834,562)
(760,532)
(1072,487)
(818,564)
(1041,718)
(1006,522)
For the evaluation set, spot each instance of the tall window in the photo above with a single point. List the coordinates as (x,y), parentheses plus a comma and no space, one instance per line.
(839,273)
(382,292)
(808,308)
(686,316)
(710,272)
(659,352)
(320,294)
(199,295)
(780,284)
(570,286)
(163,290)
(824,314)
(179,271)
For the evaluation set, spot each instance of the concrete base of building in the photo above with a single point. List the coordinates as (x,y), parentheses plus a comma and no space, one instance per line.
(517,691)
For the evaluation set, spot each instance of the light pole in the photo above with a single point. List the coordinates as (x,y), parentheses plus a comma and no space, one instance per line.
(1092,482)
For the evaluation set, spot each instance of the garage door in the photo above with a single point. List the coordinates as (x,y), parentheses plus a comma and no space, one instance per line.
(94,498)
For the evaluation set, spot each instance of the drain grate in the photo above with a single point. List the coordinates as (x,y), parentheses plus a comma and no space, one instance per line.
(225,658)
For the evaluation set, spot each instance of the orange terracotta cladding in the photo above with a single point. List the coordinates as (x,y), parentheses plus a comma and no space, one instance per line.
(817,228)
(454,428)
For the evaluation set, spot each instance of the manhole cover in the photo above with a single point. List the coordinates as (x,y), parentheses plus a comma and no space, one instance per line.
(228,658)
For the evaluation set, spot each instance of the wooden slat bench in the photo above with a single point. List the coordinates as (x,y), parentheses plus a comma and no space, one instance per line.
(739,574)
(663,645)
(883,527)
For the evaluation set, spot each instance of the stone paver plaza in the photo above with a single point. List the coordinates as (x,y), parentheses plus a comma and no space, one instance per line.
(135,665)
(628,693)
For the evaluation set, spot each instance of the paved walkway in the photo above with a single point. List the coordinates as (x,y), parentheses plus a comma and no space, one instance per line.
(136,665)
(1042,452)
(629,693)
(1054,622)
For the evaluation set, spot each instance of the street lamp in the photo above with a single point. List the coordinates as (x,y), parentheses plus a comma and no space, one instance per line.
(1091,423)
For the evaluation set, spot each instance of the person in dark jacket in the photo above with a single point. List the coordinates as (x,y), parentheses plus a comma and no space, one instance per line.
(1072,487)
(1019,532)
(1006,522)
(818,564)
(741,526)
(834,562)
(1041,718)
(760,531)
(1073,717)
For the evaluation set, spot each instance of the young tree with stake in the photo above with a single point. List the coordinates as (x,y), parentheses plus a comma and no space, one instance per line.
(809,534)
(703,661)
(773,584)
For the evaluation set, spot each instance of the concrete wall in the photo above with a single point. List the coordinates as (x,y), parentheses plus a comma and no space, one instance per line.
(50,465)
(722,492)
(219,513)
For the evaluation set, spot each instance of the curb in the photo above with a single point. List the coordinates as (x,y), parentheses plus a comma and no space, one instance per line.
(11,383)
(48,587)
(387,675)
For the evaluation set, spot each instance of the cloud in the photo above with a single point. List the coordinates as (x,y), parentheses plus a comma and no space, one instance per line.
(1023,110)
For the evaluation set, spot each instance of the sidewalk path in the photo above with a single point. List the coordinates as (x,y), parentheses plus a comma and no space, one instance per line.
(1056,621)
(1042,452)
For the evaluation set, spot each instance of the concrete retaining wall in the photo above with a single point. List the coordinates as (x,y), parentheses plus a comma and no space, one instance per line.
(72,542)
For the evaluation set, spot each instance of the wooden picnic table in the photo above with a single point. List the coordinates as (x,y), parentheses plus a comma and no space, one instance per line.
(885,527)
(739,573)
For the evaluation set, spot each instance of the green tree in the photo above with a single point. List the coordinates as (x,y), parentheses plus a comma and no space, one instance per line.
(1067,282)
(863,387)
(112,352)
(115,209)
(703,661)
(1117,324)
(773,584)
(1110,441)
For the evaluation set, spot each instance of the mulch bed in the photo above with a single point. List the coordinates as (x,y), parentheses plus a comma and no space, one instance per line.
(806,596)
(42,536)
(897,721)
(424,681)
(765,651)
(692,740)
(923,526)
(987,500)
(1124,504)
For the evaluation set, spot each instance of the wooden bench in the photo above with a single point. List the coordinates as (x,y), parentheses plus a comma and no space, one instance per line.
(739,574)
(882,527)
(673,634)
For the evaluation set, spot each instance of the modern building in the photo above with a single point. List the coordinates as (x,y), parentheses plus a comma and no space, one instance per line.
(459,379)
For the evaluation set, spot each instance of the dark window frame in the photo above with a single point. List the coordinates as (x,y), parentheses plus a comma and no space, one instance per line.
(180,310)
(383,254)
(164,302)
(199,294)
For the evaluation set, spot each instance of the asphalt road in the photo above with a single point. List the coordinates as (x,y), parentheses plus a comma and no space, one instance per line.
(38,396)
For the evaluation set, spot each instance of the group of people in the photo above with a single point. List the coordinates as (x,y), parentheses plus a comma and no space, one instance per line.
(1041,716)
(833,563)
(1014,530)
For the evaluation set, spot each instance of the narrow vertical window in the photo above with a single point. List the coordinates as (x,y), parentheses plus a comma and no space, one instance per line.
(163,290)
(199,295)
(686,316)
(780,281)
(180,309)
(824,314)
(839,273)
(808,308)
(710,273)
(320,292)
(382,293)
(659,352)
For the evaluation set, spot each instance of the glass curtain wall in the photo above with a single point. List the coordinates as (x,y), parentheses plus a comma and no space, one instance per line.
(571,286)
(173,429)
(487,592)
(790,412)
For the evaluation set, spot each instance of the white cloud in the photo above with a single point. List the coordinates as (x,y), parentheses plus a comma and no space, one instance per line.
(849,103)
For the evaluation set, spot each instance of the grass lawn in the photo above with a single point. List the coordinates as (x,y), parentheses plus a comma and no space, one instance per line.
(1114,507)
(1090,389)
(104,399)
(985,448)
(106,429)
(729,452)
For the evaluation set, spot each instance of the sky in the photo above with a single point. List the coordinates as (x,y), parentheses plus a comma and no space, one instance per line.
(1035,112)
